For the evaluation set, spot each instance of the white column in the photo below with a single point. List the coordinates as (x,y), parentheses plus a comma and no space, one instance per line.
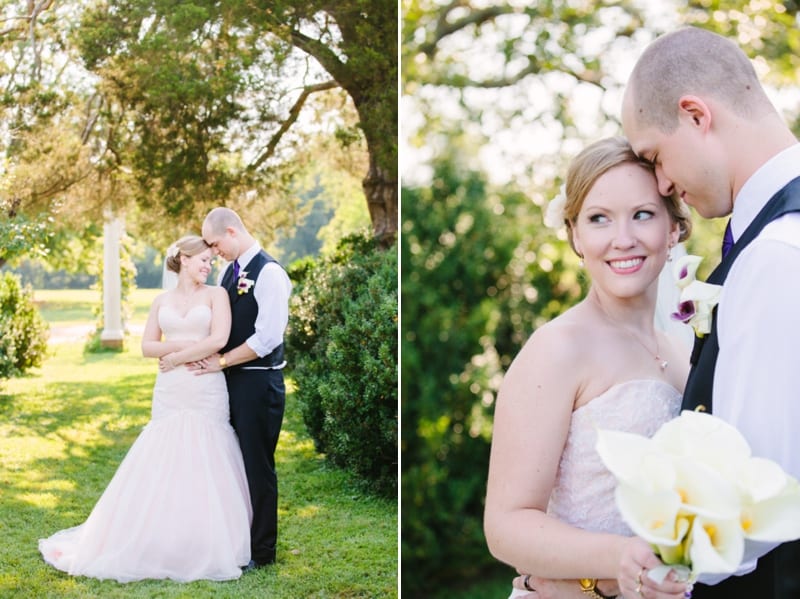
(112,335)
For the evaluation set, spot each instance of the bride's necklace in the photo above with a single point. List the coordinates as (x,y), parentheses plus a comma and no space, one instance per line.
(661,362)
(185,298)
(656,355)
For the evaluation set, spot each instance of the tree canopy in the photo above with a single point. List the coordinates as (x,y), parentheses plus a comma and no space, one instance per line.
(161,109)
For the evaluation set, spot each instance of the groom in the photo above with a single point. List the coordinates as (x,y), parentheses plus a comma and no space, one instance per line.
(253,362)
(695,108)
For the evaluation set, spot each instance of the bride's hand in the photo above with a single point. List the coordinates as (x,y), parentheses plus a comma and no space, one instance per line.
(519,585)
(198,366)
(165,363)
(637,559)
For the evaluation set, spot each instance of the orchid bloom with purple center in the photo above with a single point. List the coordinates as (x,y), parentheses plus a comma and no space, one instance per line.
(685,270)
(244,284)
(686,310)
(697,299)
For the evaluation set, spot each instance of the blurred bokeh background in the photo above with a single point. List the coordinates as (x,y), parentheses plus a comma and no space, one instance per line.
(496,98)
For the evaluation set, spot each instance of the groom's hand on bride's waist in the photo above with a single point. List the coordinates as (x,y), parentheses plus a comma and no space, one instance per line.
(206,365)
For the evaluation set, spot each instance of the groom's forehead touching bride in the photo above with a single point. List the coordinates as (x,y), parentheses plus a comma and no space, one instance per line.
(220,230)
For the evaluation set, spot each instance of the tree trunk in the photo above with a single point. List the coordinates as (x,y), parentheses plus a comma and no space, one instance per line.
(380,188)
(377,110)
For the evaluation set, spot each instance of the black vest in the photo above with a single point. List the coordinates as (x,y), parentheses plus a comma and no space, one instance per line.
(244,310)
(700,383)
(778,573)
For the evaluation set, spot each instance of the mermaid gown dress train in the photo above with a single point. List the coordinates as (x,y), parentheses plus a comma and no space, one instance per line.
(583,493)
(178,506)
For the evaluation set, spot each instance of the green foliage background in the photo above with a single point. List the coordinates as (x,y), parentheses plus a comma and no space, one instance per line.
(477,275)
(342,343)
(23,331)
(479,272)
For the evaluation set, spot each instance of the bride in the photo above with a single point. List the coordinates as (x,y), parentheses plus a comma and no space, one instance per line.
(550,506)
(178,506)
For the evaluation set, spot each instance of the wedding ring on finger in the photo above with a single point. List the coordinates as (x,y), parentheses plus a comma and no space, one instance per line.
(638,589)
(526,582)
(639,577)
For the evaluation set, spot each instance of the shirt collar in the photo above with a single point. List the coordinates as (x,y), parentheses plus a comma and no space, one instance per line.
(247,255)
(762,185)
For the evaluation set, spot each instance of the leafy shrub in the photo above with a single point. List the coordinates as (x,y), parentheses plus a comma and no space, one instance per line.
(23,331)
(479,273)
(342,344)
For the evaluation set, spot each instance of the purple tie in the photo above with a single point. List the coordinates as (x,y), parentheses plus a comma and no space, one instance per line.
(727,240)
(235,271)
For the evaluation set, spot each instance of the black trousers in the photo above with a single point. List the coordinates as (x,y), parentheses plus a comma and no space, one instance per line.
(776,577)
(257,401)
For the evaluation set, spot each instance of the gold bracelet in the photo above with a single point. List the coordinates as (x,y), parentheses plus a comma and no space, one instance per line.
(223,363)
(589,588)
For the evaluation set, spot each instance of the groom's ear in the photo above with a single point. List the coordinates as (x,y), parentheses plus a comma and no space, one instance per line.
(694,110)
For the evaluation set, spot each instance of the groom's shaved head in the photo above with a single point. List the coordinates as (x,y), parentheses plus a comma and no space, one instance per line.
(220,219)
(697,62)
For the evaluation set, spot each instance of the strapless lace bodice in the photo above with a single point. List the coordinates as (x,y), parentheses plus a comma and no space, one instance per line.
(193,326)
(583,494)
(179,389)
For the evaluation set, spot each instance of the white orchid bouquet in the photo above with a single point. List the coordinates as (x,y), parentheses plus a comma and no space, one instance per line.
(695,493)
(697,299)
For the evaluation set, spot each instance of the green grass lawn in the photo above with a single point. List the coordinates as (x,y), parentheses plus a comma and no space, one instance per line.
(64,430)
(66,307)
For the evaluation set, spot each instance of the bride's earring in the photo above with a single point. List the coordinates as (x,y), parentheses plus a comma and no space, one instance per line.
(669,253)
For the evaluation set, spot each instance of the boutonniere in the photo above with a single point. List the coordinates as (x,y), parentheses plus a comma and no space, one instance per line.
(697,299)
(243,284)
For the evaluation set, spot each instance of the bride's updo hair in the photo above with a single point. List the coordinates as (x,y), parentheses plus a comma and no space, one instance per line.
(190,245)
(598,158)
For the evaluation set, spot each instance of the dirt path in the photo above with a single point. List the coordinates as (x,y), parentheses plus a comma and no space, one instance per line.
(79,332)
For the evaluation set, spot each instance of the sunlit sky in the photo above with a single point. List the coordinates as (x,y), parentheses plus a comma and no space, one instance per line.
(533,135)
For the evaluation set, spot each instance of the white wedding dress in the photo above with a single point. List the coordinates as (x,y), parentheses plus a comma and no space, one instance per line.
(178,506)
(583,493)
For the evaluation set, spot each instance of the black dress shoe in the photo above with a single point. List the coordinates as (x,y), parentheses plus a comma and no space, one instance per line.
(253,565)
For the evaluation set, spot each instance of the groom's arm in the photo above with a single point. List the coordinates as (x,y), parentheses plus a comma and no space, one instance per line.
(756,380)
(272,290)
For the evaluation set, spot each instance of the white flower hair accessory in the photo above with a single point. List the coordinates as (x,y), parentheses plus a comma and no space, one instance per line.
(172,250)
(554,215)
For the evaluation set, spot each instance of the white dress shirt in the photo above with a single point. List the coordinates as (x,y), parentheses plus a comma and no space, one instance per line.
(757,376)
(271,291)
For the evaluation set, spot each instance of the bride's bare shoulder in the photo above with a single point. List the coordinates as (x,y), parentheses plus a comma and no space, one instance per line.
(160,299)
(568,329)
(559,342)
(216,291)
